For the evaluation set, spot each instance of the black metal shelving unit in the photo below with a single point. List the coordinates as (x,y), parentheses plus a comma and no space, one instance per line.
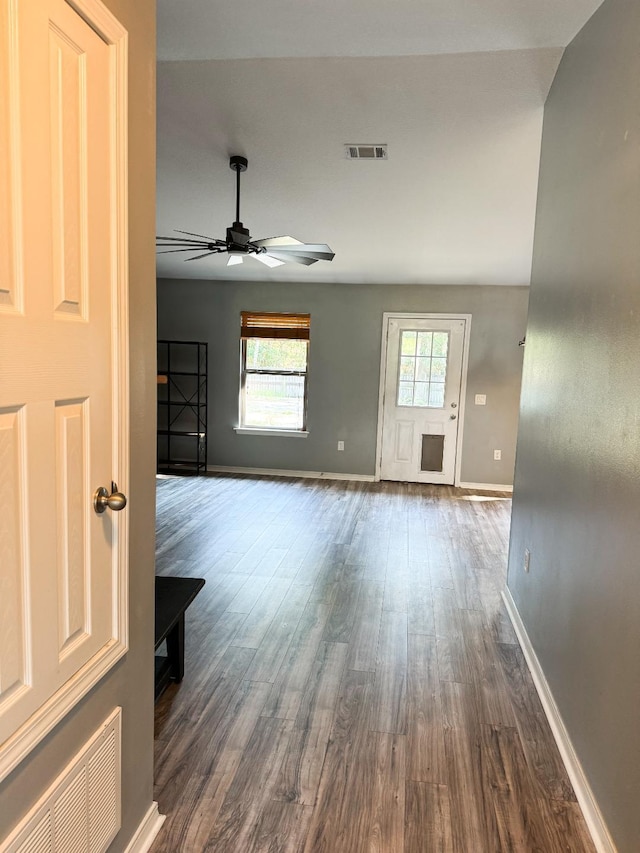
(182,407)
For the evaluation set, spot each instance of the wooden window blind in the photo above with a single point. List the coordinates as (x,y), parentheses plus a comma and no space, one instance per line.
(291,326)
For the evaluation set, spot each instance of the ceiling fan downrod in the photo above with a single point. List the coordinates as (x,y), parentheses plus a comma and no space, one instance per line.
(237,232)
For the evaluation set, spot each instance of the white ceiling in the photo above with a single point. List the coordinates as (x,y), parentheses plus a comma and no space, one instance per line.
(454,87)
(252,29)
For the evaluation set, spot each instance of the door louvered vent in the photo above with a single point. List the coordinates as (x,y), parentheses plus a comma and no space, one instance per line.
(40,839)
(80,812)
(366,152)
(69,821)
(103,789)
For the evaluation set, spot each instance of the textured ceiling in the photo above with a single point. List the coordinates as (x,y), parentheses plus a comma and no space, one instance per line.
(462,116)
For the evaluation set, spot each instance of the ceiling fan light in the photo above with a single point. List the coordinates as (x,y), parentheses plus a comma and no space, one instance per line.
(233,260)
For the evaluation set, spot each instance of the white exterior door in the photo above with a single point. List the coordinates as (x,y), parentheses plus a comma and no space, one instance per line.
(63,359)
(422,395)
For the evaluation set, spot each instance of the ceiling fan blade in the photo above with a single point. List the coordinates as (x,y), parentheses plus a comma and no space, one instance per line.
(293,259)
(187,249)
(206,254)
(181,241)
(179,247)
(208,239)
(234,259)
(268,260)
(277,241)
(319,251)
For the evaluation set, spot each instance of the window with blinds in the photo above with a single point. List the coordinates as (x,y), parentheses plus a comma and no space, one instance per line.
(273,392)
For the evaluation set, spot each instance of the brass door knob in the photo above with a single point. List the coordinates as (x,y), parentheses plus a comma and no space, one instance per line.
(103,500)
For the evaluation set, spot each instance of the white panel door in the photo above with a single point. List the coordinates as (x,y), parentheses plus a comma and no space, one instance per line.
(421,407)
(62,362)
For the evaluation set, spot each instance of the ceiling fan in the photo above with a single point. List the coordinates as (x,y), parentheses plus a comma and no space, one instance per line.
(271,251)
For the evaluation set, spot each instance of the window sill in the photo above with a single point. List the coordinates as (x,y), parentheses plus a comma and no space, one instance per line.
(282,433)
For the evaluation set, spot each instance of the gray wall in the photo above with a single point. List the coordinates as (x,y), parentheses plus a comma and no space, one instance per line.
(130,683)
(577,485)
(344,367)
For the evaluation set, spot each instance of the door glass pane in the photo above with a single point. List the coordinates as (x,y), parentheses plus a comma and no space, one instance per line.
(408,343)
(405,393)
(423,368)
(421,394)
(438,369)
(407,369)
(424,343)
(436,396)
(440,343)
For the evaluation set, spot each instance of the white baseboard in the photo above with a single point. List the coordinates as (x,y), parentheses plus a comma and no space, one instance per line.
(147,831)
(592,815)
(283,472)
(486,487)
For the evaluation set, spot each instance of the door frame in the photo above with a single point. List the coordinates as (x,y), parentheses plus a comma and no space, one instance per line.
(42,721)
(410,315)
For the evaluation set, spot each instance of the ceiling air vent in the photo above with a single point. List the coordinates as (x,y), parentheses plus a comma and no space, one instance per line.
(366,152)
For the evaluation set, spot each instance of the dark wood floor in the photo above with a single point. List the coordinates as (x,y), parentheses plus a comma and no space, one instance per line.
(352,680)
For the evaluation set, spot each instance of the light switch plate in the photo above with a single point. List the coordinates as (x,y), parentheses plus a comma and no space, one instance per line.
(481,399)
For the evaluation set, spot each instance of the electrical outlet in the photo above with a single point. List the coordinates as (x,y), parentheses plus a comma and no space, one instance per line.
(341,445)
(481,399)
(497,455)
(527,559)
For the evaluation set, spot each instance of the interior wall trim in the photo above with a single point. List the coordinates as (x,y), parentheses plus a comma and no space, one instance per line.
(145,834)
(586,799)
(487,487)
(284,472)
